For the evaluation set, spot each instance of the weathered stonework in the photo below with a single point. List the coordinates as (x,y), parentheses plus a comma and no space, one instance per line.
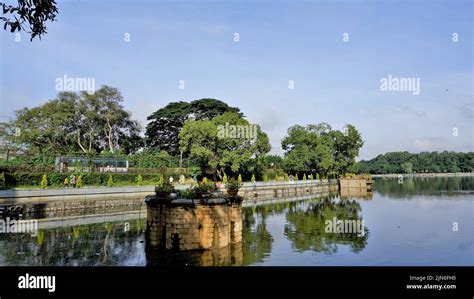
(185,224)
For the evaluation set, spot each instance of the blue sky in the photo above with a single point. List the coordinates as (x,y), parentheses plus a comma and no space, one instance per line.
(334,81)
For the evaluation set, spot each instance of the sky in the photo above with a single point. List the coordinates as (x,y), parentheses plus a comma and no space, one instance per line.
(333,53)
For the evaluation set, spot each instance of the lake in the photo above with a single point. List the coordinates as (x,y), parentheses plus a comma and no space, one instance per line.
(416,221)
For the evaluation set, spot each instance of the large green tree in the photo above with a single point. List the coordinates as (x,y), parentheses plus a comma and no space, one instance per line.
(166,123)
(76,122)
(217,153)
(319,149)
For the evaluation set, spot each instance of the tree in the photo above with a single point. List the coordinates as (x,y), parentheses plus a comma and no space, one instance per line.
(105,113)
(44,182)
(77,122)
(273,161)
(407,167)
(110,181)
(217,155)
(405,162)
(318,148)
(79,182)
(31,13)
(139,180)
(224,179)
(346,149)
(166,123)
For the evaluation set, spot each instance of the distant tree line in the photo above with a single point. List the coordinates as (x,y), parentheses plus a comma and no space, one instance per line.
(424,162)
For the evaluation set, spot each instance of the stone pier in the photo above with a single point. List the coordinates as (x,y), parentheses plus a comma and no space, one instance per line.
(190,224)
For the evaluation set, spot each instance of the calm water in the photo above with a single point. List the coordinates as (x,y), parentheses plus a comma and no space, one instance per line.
(405,224)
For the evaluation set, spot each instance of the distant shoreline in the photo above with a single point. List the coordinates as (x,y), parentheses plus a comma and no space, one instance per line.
(424,175)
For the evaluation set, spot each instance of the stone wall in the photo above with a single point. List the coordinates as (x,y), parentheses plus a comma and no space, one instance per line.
(194,226)
(286,189)
(362,182)
(59,203)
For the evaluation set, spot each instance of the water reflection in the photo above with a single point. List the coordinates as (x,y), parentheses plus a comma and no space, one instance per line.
(82,245)
(409,186)
(256,239)
(292,232)
(226,256)
(306,227)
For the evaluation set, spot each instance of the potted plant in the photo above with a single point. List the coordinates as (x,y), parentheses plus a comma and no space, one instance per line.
(233,187)
(203,189)
(164,188)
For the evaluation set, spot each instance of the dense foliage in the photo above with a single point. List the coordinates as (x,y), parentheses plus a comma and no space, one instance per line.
(186,138)
(320,149)
(405,162)
(215,154)
(165,124)
(75,122)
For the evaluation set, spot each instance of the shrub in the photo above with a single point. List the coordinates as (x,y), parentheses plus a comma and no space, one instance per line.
(204,180)
(233,184)
(3,185)
(239,179)
(317,176)
(296,177)
(265,178)
(164,187)
(110,182)
(139,180)
(253,178)
(286,177)
(310,177)
(79,181)
(205,187)
(224,179)
(55,179)
(44,182)
(304,177)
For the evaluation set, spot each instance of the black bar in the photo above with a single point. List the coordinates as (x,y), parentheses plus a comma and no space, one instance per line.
(191,282)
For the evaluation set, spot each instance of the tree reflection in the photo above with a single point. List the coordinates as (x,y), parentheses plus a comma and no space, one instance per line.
(82,245)
(306,225)
(257,241)
(408,186)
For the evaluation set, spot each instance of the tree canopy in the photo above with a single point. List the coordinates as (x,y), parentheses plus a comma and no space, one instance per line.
(77,122)
(200,142)
(405,162)
(320,149)
(166,123)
